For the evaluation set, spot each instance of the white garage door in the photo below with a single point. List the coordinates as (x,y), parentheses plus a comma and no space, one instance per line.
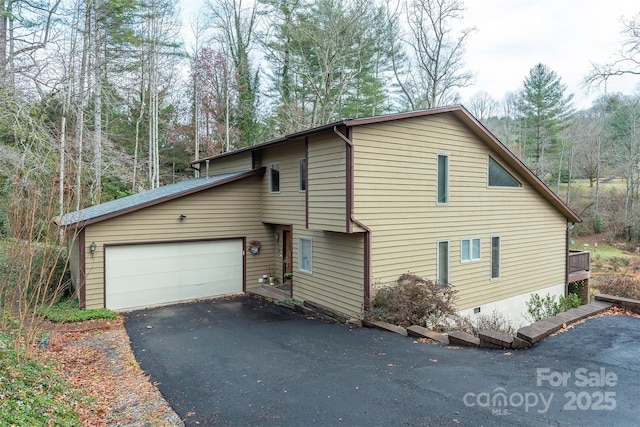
(154,274)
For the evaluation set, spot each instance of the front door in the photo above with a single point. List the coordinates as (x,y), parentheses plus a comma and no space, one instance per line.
(287,260)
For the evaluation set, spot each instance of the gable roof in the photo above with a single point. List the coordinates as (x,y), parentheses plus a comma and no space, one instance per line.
(148,198)
(462,114)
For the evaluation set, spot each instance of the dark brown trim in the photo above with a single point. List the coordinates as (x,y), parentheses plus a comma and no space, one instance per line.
(259,171)
(244,264)
(306,191)
(159,242)
(566,260)
(104,275)
(348,177)
(350,211)
(82,271)
(293,267)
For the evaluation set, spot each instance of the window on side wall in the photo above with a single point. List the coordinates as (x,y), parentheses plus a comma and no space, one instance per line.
(500,177)
(443,262)
(274,177)
(443,179)
(305,255)
(495,257)
(303,175)
(470,249)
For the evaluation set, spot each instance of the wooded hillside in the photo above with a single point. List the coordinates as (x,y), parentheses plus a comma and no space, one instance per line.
(99,99)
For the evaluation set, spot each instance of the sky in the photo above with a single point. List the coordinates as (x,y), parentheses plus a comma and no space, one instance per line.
(512,36)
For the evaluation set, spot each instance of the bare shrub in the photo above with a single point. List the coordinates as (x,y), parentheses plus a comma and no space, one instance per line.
(621,286)
(413,300)
(481,322)
(33,263)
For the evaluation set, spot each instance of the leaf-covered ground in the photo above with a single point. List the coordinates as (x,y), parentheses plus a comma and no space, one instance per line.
(96,358)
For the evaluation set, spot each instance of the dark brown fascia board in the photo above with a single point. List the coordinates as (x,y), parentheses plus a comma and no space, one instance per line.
(82,224)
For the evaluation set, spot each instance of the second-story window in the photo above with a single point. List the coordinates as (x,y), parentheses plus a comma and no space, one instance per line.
(443,179)
(303,175)
(274,177)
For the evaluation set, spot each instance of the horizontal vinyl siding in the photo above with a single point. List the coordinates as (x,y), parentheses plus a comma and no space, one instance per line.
(229,211)
(232,163)
(327,183)
(337,280)
(395,195)
(287,206)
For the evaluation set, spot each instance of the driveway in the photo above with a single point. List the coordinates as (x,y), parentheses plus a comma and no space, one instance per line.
(247,362)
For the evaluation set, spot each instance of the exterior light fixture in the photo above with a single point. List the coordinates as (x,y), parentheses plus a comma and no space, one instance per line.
(182,217)
(92,248)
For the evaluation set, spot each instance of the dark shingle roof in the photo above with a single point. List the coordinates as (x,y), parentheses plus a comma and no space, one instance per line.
(146,198)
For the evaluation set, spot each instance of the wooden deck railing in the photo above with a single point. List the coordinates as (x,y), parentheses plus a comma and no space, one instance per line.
(579,261)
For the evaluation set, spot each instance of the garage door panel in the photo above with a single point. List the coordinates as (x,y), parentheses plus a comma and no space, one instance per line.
(154,274)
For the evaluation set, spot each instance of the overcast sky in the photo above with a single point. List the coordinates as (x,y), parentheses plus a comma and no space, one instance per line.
(514,35)
(566,35)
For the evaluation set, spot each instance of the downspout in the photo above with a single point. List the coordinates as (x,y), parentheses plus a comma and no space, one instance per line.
(207,168)
(566,269)
(350,213)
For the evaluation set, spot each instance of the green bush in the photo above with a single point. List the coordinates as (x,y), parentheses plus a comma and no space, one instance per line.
(542,307)
(598,223)
(624,287)
(67,311)
(413,300)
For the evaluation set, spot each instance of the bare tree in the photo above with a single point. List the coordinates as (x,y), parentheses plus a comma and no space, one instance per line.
(438,54)
(483,106)
(627,59)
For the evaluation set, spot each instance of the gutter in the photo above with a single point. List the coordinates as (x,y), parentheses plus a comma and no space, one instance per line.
(351,219)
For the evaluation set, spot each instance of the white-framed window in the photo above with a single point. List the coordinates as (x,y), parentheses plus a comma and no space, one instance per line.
(302,179)
(305,255)
(274,178)
(443,262)
(495,257)
(443,179)
(470,249)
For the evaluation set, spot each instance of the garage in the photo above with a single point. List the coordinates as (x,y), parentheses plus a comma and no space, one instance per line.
(143,275)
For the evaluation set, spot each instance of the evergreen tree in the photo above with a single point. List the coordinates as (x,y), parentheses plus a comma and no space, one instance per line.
(544,111)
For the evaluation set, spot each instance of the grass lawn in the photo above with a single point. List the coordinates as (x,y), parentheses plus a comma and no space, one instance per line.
(603,250)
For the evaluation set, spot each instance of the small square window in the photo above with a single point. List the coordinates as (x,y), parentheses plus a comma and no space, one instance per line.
(303,175)
(305,255)
(274,177)
(470,249)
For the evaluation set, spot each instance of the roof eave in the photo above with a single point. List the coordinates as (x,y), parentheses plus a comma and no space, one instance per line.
(83,223)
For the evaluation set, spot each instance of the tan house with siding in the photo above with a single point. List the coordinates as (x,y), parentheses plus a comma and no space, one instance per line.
(341,208)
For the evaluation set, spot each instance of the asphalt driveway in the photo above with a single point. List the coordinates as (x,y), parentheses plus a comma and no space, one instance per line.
(247,362)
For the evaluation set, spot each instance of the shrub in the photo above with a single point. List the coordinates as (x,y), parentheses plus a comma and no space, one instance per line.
(482,322)
(542,307)
(67,311)
(413,300)
(624,287)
